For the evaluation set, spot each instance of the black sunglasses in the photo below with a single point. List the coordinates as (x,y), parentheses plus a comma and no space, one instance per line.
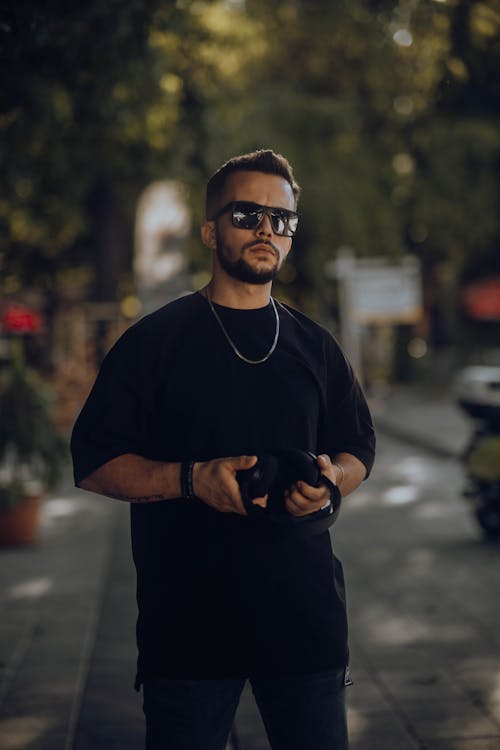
(246,215)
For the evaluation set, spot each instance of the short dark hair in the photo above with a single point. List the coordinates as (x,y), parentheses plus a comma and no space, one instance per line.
(263,160)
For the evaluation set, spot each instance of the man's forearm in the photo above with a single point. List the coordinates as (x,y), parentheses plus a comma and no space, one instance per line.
(351,474)
(135,479)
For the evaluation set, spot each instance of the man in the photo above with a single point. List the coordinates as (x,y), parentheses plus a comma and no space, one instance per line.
(189,396)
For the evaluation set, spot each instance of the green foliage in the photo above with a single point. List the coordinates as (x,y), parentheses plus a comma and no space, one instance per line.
(30,447)
(12,494)
(389,112)
(74,113)
(457,193)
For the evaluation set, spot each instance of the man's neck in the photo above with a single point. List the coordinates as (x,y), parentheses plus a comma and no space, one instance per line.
(238,294)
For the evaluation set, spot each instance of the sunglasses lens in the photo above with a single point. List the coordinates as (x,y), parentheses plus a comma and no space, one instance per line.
(249,216)
(284,222)
(293,223)
(278,223)
(245,216)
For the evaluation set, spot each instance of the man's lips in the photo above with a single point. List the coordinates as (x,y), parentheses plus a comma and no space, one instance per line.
(263,247)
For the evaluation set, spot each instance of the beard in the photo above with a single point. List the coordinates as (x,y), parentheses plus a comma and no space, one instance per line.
(241,270)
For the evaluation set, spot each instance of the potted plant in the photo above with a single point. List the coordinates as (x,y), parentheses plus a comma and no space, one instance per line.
(32,453)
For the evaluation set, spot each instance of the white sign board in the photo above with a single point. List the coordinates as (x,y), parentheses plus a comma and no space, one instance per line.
(374,291)
(385,294)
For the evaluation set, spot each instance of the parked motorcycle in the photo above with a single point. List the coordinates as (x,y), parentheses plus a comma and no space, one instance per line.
(477,391)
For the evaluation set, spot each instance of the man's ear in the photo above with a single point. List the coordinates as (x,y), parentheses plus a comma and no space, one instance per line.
(208,234)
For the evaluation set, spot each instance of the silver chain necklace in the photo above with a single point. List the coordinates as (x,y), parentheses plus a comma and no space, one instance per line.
(233,345)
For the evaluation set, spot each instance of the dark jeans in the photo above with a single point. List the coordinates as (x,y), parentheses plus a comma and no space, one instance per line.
(299,713)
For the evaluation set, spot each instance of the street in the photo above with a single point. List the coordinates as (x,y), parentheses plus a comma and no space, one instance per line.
(424,609)
(424,614)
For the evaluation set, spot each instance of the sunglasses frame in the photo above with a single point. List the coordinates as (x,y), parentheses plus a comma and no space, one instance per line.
(257,208)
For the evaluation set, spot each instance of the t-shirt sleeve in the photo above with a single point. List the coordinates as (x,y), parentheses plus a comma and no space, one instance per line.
(348,426)
(114,419)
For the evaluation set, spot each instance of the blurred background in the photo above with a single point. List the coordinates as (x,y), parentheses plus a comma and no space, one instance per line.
(113,116)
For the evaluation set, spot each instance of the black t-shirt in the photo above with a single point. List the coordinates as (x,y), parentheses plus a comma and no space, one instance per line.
(216,597)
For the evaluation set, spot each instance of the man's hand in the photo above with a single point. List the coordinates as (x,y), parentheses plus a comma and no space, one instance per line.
(302,499)
(215,483)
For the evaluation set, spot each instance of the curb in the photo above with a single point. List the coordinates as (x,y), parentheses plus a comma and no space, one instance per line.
(426,442)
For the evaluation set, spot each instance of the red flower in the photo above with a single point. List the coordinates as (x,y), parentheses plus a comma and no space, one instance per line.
(18,319)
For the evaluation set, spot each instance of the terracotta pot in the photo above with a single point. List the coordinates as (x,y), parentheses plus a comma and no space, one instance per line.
(20,524)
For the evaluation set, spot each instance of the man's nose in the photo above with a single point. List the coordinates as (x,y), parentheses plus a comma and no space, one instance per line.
(265,227)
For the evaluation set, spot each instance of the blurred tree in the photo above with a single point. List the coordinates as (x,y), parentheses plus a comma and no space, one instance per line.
(69,132)
(456,141)
(88,117)
(388,111)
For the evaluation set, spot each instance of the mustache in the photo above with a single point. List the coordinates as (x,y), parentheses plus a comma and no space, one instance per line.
(262,242)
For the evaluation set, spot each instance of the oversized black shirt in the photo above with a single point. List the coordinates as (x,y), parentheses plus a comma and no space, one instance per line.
(216,597)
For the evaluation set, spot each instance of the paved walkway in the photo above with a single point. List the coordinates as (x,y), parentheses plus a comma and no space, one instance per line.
(67,632)
(67,617)
(428,418)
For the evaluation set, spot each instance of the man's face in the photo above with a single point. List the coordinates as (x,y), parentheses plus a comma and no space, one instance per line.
(253,256)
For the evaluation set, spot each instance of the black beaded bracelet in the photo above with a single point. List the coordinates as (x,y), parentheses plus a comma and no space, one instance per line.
(187,480)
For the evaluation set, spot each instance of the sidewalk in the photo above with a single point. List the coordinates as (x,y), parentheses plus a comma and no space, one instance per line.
(427,418)
(67,614)
(67,624)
